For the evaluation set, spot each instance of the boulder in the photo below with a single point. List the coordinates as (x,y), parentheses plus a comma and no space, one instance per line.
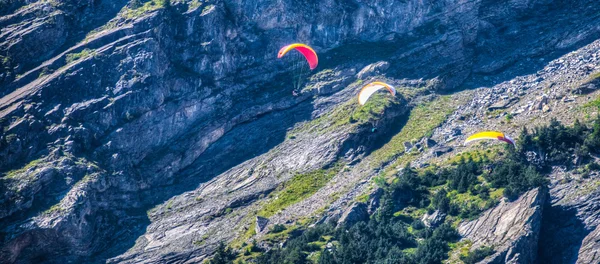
(546,109)
(430,143)
(261,224)
(455,132)
(373,203)
(587,87)
(441,150)
(352,215)
(407,146)
(503,104)
(373,69)
(540,102)
(433,220)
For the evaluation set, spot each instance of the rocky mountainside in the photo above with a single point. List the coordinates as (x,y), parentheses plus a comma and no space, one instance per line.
(150,131)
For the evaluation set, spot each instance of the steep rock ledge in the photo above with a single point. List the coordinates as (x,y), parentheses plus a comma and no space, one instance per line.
(511,228)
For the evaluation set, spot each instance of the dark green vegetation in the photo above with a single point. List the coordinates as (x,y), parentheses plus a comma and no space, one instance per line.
(395,233)
(223,255)
(561,145)
(477,255)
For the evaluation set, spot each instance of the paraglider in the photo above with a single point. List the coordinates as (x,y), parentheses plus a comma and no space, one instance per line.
(494,135)
(371,88)
(298,69)
(309,54)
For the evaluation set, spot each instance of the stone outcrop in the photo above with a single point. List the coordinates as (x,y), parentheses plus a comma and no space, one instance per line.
(352,215)
(511,228)
(433,220)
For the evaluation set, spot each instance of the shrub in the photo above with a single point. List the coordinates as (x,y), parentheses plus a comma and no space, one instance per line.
(477,255)
(278,228)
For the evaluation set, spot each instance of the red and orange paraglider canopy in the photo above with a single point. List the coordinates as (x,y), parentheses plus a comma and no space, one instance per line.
(308,52)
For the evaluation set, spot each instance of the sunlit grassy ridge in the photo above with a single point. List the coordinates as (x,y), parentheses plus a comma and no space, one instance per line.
(297,189)
(139,9)
(71,57)
(17,172)
(300,187)
(423,119)
(349,113)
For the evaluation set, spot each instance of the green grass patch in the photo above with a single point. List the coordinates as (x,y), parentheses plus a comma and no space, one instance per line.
(421,122)
(14,173)
(410,251)
(363,198)
(207,9)
(144,8)
(593,104)
(496,112)
(194,4)
(496,194)
(462,246)
(466,199)
(109,25)
(202,240)
(410,213)
(300,187)
(584,190)
(71,57)
(349,113)
(278,237)
(250,232)
(54,209)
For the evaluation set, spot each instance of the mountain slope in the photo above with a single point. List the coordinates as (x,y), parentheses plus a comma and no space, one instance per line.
(152,131)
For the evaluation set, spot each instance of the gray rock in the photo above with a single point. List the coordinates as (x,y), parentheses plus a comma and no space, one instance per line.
(352,215)
(418,146)
(512,228)
(407,146)
(430,143)
(589,252)
(546,109)
(261,224)
(441,150)
(433,220)
(455,132)
(373,69)
(503,104)
(374,199)
(541,102)
(587,87)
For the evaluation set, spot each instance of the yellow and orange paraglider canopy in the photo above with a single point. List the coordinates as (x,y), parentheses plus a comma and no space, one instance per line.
(371,88)
(494,135)
(308,52)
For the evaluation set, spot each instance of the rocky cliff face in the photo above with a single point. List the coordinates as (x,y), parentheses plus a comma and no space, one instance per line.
(150,131)
(512,229)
